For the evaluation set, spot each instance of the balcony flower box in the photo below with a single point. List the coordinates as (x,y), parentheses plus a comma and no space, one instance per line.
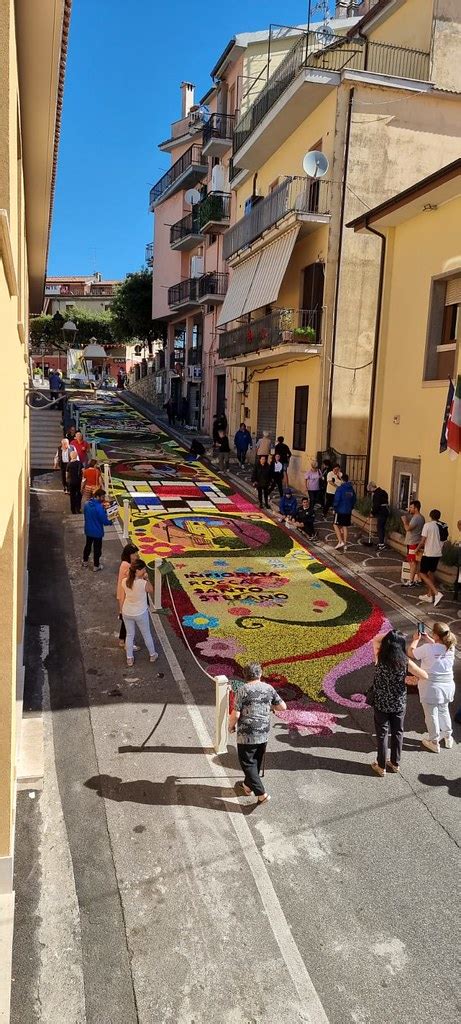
(304,332)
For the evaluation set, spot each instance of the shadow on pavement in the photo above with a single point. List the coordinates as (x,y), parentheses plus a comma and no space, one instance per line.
(143,791)
(453,785)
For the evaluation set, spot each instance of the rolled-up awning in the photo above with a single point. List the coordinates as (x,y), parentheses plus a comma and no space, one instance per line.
(256,282)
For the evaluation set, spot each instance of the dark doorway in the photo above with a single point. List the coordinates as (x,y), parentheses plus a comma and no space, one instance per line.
(313,284)
(221,394)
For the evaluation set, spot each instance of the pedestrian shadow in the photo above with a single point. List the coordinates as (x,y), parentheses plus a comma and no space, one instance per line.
(171,792)
(361,742)
(453,785)
(130,748)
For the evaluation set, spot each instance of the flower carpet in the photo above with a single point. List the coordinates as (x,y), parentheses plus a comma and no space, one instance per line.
(242,586)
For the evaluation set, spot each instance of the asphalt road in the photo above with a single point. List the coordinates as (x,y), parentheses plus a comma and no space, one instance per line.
(147,891)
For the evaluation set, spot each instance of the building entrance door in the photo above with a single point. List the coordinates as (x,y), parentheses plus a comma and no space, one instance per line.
(220,394)
(267,407)
(405,482)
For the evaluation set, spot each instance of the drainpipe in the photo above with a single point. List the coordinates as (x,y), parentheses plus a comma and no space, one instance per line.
(338,267)
(374,370)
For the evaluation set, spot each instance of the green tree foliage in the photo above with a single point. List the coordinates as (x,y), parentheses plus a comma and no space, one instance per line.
(131,309)
(89,325)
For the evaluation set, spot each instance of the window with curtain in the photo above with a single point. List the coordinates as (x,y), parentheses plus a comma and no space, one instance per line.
(444,329)
(300,418)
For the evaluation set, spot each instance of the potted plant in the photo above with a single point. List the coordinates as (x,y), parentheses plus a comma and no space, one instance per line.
(304,332)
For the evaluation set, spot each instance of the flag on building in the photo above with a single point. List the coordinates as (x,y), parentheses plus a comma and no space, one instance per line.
(454,423)
(446,417)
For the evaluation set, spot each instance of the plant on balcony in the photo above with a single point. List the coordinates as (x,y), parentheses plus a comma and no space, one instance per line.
(304,332)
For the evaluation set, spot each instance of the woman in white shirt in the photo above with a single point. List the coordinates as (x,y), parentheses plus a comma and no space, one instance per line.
(437,656)
(133,606)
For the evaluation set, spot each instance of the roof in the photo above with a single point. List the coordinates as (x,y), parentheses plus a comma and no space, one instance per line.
(243,39)
(441,186)
(374,12)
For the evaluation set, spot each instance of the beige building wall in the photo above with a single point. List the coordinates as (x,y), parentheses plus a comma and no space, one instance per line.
(409,412)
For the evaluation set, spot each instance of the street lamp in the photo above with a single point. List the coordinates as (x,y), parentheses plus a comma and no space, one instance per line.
(69,330)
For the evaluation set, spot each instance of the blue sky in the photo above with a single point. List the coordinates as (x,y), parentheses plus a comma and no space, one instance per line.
(126,61)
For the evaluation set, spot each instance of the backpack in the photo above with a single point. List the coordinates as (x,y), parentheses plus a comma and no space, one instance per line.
(443,530)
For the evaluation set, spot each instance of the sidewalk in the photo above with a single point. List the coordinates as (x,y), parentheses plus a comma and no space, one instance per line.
(379,569)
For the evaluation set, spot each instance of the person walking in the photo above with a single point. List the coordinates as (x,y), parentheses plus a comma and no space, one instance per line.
(343,502)
(91,480)
(264,445)
(82,447)
(431,547)
(74,483)
(135,588)
(333,481)
(288,508)
(261,479)
(283,450)
(413,523)
(96,519)
(313,479)
(254,702)
(129,556)
(170,411)
(54,381)
(223,451)
(379,511)
(71,432)
(242,442)
(277,475)
(62,459)
(388,697)
(436,655)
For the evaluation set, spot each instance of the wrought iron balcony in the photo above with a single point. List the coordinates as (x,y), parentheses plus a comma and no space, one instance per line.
(186,233)
(194,356)
(195,291)
(217,134)
(338,55)
(214,212)
(149,257)
(191,167)
(309,200)
(301,327)
(185,293)
(177,358)
(213,287)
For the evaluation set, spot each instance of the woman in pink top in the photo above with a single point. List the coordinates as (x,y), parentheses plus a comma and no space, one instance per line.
(129,555)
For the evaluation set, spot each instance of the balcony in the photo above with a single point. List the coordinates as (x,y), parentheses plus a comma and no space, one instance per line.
(217,134)
(194,356)
(191,167)
(291,332)
(149,257)
(56,290)
(214,212)
(103,289)
(186,233)
(198,291)
(304,78)
(176,358)
(300,200)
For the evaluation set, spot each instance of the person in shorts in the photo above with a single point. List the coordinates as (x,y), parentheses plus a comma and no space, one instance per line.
(344,501)
(334,478)
(431,546)
(413,522)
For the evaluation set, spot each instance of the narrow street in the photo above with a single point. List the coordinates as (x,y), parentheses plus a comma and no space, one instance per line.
(147,890)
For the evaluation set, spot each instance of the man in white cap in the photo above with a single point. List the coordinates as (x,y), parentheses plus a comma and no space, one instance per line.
(379,511)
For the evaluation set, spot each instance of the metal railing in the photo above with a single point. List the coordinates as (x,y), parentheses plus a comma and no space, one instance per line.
(149,257)
(188,225)
(194,289)
(192,156)
(338,55)
(281,327)
(220,126)
(215,207)
(184,291)
(294,195)
(194,356)
(233,171)
(353,465)
(213,284)
(177,356)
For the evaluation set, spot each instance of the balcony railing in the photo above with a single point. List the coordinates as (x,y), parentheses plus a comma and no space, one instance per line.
(191,159)
(213,209)
(177,356)
(102,289)
(194,290)
(281,327)
(338,55)
(187,227)
(149,257)
(194,356)
(220,126)
(302,196)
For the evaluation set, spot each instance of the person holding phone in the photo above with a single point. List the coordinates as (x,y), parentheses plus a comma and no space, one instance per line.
(388,697)
(436,654)
(133,605)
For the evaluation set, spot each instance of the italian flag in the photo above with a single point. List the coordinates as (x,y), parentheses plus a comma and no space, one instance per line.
(454,423)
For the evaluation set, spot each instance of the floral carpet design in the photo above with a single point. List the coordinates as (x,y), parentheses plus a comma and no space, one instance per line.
(242,586)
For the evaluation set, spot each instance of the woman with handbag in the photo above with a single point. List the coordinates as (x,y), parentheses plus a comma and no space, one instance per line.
(388,697)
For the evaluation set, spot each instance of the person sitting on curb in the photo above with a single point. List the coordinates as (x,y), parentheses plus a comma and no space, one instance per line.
(305,517)
(288,508)
(343,503)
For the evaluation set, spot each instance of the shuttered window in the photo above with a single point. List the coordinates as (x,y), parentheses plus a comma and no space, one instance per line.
(444,329)
(267,407)
(300,418)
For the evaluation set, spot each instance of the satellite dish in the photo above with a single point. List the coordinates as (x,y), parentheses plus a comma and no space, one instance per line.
(204,112)
(315,164)
(192,197)
(325,35)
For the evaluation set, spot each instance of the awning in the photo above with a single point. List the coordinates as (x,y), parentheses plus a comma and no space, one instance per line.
(256,282)
(238,290)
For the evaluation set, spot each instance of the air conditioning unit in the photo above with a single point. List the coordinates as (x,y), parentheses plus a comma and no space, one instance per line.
(196,266)
(218,179)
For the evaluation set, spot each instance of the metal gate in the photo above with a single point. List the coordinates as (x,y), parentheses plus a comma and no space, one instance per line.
(267,407)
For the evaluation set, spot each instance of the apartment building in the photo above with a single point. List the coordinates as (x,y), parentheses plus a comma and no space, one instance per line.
(32,66)
(419,336)
(190,276)
(89,292)
(379,97)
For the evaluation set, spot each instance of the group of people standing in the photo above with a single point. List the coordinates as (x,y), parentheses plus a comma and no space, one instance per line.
(80,475)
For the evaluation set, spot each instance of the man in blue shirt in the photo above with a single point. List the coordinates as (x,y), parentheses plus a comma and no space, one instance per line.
(96,519)
(242,442)
(54,381)
(343,503)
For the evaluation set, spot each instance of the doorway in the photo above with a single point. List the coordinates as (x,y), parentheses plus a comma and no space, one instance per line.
(221,394)
(267,407)
(405,482)
(313,285)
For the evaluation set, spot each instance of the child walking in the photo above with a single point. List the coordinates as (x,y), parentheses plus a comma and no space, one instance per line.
(436,654)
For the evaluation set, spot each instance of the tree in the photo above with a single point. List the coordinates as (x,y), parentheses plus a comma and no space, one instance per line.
(131,309)
(89,325)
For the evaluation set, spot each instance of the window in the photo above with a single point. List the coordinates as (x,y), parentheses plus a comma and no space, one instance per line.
(443,329)
(300,418)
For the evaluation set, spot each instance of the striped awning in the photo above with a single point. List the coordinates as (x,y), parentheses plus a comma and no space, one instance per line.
(256,282)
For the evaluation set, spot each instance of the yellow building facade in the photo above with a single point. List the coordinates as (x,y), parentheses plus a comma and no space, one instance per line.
(379,101)
(32,61)
(419,343)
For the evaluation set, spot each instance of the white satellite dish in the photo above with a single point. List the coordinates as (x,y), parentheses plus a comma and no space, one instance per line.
(315,164)
(192,197)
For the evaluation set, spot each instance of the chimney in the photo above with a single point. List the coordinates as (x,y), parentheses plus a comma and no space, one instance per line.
(341,8)
(187,97)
